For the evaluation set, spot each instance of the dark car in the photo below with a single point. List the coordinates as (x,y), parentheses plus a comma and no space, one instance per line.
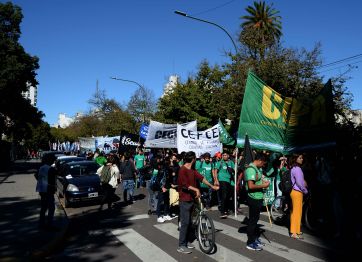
(55,154)
(66,159)
(78,182)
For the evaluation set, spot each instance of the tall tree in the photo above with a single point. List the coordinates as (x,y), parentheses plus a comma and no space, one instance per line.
(261,28)
(17,72)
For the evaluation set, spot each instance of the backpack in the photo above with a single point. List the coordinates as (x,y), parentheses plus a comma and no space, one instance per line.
(156,180)
(285,185)
(106,174)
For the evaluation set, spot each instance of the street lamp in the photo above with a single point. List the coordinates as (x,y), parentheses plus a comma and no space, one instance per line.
(141,86)
(205,21)
(236,51)
(120,79)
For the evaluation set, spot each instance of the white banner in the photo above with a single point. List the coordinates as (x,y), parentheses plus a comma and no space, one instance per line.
(165,135)
(107,144)
(198,141)
(88,143)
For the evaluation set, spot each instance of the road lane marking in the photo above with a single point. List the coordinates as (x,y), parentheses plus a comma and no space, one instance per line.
(141,246)
(222,254)
(284,231)
(274,248)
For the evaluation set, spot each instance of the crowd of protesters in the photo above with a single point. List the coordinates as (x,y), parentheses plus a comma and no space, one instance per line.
(158,171)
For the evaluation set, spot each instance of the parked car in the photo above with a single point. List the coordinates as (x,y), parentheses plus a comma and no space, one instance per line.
(79,182)
(66,159)
(53,154)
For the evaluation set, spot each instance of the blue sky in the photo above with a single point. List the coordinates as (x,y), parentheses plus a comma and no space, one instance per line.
(81,41)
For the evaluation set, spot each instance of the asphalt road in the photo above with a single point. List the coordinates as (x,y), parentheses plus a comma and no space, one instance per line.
(128,233)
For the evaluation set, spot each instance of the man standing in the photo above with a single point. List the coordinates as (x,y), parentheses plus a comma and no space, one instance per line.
(187,186)
(140,162)
(224,170)
(254,187)
(46,179)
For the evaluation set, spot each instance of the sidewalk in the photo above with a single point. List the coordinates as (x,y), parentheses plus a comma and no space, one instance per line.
(21,240)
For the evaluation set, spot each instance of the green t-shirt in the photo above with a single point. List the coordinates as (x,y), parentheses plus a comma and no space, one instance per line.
(255,174)
(204,169)
(139,161)
(101,160)
(223,174)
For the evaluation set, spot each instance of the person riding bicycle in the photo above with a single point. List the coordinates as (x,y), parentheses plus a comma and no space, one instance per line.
(187,187)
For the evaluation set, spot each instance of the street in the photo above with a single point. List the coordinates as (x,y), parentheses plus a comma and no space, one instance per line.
(130,234)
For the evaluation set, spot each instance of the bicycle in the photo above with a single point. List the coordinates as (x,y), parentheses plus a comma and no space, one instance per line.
(280,209)
(204,227)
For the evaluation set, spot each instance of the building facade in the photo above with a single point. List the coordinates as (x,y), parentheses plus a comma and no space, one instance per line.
(31,94)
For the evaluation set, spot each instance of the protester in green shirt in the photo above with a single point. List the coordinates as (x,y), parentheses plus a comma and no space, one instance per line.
(101,159)
(204,167)
(225,175)
(254,186)
(140,162)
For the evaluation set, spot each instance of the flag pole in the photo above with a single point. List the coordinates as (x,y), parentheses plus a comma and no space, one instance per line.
(235,181)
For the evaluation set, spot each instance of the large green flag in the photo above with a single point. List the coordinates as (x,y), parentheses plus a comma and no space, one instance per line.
(224,136)
(283,124)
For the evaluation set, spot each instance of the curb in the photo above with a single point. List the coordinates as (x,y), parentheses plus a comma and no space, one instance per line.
(48,249)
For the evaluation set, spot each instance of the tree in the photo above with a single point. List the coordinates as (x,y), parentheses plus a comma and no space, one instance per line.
(142,105)
(17,72)
(261,28)
(196,99)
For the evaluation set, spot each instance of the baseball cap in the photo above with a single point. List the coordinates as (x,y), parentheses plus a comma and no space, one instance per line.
(218,154)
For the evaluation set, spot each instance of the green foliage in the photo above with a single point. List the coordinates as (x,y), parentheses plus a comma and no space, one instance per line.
(261,29)
(17,71)
(195,99)
(40,137)
(107,117)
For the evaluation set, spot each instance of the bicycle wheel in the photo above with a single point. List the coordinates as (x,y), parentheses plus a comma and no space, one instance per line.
(277,212)
(206,233)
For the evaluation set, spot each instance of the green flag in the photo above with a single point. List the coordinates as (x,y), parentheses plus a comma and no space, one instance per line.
(283,124)
(224,136)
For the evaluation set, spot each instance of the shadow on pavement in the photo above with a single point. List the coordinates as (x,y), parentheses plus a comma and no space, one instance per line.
(20,235)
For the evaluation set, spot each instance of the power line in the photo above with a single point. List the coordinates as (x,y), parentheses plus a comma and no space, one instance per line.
(349,64)
(214,8)
(341,60)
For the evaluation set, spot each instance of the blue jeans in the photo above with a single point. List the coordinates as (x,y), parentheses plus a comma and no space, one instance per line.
(163,202)
(152,197)
(128,190)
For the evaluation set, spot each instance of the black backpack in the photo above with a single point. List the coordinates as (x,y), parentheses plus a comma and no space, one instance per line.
(285,185)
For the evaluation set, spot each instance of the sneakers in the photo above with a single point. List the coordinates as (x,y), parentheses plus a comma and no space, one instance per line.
(167,218)
(254,246)
(258,241)
(190,246)
(160,220)
(224,215)
(184,250)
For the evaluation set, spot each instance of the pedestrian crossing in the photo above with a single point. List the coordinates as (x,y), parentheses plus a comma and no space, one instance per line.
(229,241)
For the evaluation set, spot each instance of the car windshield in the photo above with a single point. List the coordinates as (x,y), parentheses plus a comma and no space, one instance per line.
(83,170)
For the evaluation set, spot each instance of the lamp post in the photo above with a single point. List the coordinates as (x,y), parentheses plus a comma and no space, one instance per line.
(236,51)
(141,86)
(120,79)
(212,23)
